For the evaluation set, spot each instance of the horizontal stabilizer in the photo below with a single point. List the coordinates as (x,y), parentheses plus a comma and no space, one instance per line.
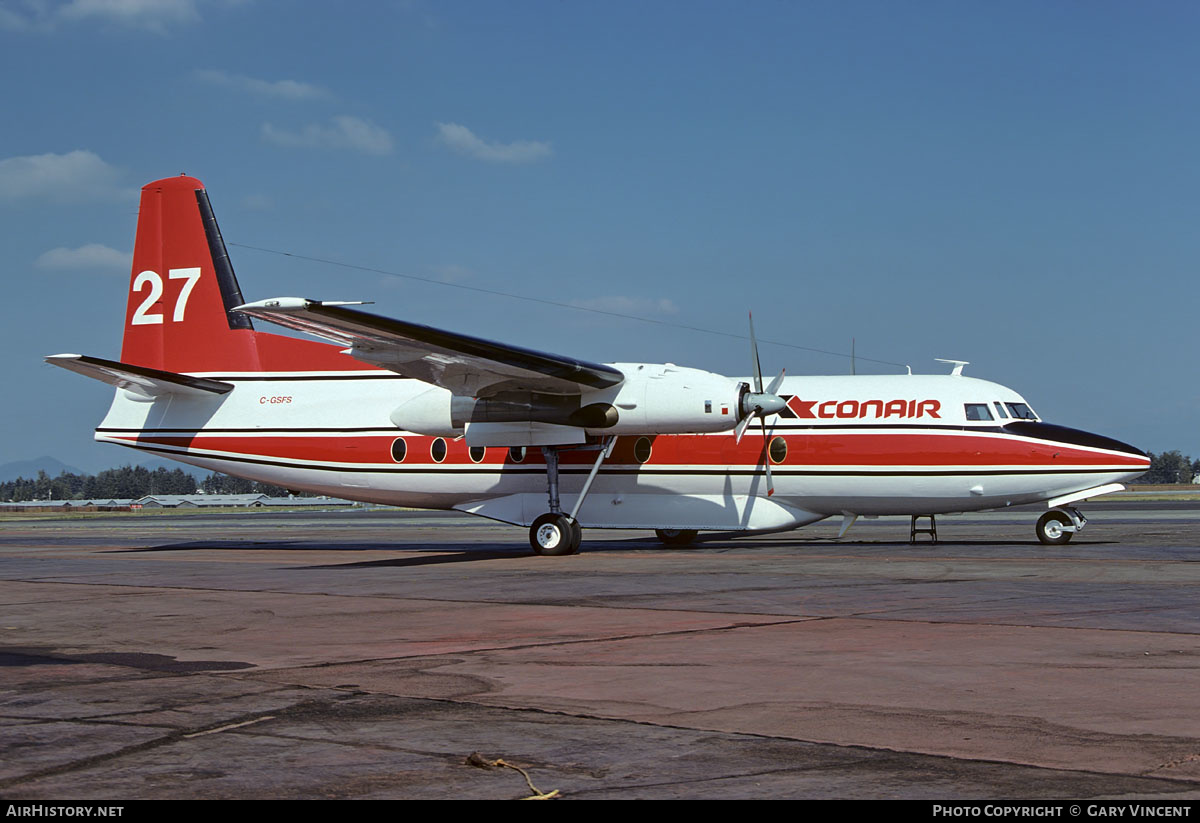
(465,365)
(138,379)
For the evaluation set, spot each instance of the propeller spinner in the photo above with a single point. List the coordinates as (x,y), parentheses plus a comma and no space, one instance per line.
(760,404)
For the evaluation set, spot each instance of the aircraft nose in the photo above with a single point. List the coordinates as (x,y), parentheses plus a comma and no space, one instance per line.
(1137,459)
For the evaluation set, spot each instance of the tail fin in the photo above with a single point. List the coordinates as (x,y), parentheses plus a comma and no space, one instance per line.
(182,288)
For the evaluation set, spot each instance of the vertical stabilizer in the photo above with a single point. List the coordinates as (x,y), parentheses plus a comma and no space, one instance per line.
(181,287)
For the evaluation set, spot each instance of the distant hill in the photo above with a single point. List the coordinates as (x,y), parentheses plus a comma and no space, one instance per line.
(30,468)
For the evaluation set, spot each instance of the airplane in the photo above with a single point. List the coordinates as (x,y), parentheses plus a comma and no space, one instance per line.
(394,412)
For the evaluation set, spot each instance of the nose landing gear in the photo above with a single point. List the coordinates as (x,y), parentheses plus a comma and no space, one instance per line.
(1057,526)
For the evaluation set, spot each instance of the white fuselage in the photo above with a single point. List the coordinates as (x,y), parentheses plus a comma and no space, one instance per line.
(869,445)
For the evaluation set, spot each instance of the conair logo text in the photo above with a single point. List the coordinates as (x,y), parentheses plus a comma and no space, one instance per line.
(858,409)
(142,316)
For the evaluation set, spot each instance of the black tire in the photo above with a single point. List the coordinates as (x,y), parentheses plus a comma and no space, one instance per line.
(554,535)
(676,537)
(1050,529)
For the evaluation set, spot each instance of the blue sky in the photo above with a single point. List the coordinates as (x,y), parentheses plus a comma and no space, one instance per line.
(1015,184)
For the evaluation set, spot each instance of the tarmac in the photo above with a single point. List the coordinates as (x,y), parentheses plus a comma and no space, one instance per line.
(368,654)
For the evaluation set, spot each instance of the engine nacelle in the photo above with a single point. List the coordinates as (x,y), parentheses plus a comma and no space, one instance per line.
(654,398)
(429,413)
(437,412)
(658,398)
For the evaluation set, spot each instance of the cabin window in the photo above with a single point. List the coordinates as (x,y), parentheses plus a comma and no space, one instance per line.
(477,453)
(777,450)
(978,411)
(516,454)
(1020,411)
(399,449)
(1000,412)
(437,450)
(642,449)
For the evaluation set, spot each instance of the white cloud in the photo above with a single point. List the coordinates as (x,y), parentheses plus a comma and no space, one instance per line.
(27,15)
(144,14)
(13,20)
(344,132)
(452,273)
(463,140)
(257,202)
(75,177)
(628,305)
(45,15)
(91,256)
(285,89)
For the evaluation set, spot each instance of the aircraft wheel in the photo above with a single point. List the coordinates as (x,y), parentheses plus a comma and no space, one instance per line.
(555,535)
(676,537)
(1051,528)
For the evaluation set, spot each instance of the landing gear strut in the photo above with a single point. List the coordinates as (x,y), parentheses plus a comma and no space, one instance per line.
(554,533)
(1057,526)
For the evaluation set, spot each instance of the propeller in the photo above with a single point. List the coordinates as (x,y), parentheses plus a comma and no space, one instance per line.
(760,404)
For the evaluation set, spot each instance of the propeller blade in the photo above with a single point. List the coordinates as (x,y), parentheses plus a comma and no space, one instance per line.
(777,382)
(741,428)
(767,457)
(754,351)
(760,404)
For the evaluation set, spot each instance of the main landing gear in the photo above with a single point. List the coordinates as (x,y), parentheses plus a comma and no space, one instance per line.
(554,533)
(1057,526)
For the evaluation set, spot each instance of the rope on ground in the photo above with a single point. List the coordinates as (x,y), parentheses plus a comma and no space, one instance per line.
(480,762)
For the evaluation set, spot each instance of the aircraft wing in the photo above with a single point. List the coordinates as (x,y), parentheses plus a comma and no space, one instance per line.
(465,365)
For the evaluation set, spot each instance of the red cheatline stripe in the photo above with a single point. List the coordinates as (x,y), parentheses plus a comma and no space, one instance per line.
(867,450)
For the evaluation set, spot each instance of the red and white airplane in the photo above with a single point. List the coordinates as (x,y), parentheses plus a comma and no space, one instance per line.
(400,413)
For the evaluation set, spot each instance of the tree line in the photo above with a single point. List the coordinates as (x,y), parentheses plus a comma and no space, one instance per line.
(1169,467)
(127,482)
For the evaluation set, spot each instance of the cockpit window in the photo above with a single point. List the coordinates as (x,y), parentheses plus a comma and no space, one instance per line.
(978,411)
(1020,411)
(1000,412)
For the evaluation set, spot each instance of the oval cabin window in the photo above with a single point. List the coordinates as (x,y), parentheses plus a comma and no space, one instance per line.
(642,449)
(399,449)
(778,450)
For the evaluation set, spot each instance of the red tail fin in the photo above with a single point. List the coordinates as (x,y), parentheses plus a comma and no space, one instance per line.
(182,287)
